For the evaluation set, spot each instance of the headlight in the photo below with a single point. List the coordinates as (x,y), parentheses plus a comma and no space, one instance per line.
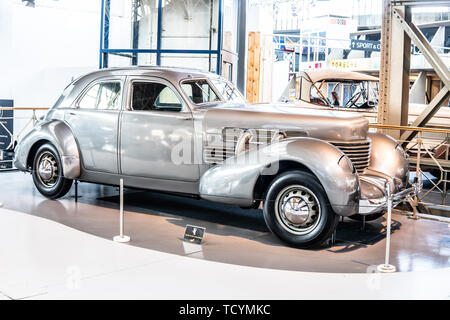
(346,164)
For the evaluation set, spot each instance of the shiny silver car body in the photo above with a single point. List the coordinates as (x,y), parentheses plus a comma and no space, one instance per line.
(102,146)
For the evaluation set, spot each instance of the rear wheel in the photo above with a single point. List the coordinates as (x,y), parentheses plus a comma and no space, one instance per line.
(297,210)
(48,174)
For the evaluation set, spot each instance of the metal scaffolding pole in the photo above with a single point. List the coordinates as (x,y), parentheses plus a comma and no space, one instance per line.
(394,69)
(397,32)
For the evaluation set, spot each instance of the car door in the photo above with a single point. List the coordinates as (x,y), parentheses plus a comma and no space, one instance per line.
(157,132)
(94,121)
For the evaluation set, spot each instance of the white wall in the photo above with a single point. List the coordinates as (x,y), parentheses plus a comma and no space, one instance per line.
(44,47)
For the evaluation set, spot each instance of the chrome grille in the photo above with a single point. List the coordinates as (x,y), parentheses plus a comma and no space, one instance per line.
(357,151)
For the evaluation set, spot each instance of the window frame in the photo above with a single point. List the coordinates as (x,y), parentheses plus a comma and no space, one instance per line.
(129,99)
(100,81)
(231,84)
(213,87)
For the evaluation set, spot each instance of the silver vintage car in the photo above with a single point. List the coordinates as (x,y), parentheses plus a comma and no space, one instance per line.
(190,132)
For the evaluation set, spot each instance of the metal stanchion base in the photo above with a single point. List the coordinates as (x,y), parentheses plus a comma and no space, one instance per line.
(333,239)
(121,239)
(76,196)
(386,268)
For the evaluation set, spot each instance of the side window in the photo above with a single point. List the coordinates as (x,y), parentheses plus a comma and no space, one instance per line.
(154,96)
(102,96)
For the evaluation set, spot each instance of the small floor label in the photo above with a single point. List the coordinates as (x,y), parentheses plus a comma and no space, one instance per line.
(194,234)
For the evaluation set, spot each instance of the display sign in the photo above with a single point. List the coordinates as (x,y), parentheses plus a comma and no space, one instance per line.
(356,64)
(6,130)
(194,234)
(365,45)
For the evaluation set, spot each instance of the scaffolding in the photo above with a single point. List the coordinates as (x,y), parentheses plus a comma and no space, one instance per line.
(397,33)
(159,50)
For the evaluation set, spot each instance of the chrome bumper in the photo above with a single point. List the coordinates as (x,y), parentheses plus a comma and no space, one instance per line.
(369,206)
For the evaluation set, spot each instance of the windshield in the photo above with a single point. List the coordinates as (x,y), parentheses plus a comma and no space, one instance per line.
(346,94)
(228,91)
(199,91)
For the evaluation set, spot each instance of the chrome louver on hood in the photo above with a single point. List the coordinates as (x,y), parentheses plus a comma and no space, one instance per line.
(232,141)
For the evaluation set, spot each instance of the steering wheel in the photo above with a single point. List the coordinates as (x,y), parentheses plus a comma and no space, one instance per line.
(351,102)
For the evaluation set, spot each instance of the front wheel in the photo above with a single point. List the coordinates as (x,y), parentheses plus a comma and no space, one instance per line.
(297,210)
(48,174)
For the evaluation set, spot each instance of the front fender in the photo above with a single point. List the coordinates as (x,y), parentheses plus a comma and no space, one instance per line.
(234,181)
(389,158)
(58,134)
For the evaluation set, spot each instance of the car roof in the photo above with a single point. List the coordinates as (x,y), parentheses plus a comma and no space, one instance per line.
(174,74)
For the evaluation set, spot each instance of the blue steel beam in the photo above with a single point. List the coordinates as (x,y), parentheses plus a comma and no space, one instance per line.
(161,50)
(219,38)
(102,18)
(106,31)
(159,34)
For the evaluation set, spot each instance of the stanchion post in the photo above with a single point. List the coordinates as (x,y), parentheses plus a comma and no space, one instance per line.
(121,238)
(76,190)
(418,179)
(386,267)
(33,117)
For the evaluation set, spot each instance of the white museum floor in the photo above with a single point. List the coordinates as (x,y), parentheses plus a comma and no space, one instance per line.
(42,259)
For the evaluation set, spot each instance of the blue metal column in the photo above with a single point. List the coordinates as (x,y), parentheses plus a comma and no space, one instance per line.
(219,38)
(135,32)
(159,35)
(106,32)
(102,18)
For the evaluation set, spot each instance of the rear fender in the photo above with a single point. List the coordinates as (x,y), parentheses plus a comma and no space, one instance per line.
(61,137)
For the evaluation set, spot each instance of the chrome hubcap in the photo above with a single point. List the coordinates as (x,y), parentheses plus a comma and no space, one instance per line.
(47,169)
(298,209)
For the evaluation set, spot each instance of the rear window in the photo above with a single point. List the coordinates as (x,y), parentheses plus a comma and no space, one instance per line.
(102,96)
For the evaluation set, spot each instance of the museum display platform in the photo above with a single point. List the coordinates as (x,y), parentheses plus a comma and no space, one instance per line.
(233,235)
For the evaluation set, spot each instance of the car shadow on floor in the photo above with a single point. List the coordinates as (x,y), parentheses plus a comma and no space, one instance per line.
(350,234)
(149,202)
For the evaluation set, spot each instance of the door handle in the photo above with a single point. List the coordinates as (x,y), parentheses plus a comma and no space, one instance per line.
(184,118)
(72,113)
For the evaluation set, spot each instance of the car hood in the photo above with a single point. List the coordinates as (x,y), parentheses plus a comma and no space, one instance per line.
(321,124)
